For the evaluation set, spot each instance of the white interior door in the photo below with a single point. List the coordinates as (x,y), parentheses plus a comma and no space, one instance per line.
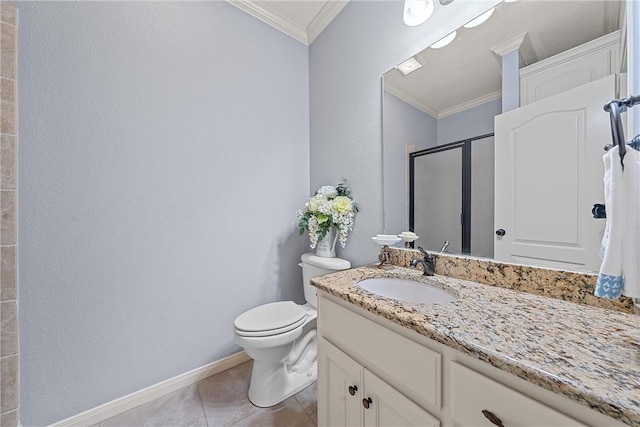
(548,175)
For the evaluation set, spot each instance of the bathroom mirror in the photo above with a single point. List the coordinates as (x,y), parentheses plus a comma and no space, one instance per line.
(452,94)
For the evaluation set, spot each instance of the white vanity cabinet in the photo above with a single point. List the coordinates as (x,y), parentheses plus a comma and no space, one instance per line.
(406,379)
(354,396)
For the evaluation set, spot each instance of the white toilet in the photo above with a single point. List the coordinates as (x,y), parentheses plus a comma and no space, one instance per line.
(280,337)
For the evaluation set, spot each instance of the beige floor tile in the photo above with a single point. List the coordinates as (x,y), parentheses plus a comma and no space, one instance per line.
(286,414)
(8,50)
(180,408)
(8,328)
(10,419)
(9,381)
(308,398)
(8,273)
(225,396)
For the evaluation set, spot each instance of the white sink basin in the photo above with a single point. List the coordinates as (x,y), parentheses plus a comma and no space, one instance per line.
(406,290)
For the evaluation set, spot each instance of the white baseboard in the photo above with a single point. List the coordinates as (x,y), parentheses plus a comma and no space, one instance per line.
(130,401)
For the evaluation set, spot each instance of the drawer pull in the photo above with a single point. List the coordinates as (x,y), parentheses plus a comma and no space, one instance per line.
(353,389)
(367,402)
(492,417)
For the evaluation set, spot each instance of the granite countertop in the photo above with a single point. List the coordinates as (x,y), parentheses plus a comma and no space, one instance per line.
(588,354)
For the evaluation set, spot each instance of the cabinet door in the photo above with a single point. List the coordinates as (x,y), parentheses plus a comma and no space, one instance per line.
(388,407)
(338,377)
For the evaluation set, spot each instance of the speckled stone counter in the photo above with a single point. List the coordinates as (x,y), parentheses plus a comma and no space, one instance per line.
(553,283)
(588,354)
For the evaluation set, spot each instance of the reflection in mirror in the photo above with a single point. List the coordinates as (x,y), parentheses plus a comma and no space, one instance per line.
(464,172)
(526,52)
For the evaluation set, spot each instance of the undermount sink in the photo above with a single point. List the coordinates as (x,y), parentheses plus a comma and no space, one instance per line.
(406,290)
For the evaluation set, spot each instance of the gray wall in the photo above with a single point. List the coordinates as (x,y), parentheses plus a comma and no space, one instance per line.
(166,152)
(402,124)
(346,62)
(469,123)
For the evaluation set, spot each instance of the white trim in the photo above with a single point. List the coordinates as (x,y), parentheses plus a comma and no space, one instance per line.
(291,28)
(470,104)
(601,43)
(130,401)
(415,102)
(411,100)
(272,18)
(509,46)
(328,12)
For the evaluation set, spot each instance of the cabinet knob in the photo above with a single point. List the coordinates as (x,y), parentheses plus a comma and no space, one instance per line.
(353,389)
(500,232)
(492,417)
(367,402)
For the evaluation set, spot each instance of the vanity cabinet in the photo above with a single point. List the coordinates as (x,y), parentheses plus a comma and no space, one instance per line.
(476,400)
(407,379)
(354,396)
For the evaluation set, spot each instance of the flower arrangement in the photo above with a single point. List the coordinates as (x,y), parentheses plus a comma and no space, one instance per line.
(329,207)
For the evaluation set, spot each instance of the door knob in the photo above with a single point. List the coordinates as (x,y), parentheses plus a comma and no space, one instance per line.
(500,232)
(367,402)
(353,389)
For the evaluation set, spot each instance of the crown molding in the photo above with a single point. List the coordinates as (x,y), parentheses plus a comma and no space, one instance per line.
(415,102)
(470,104)
(272,18)
(282,23)
(411,100)
(328,12)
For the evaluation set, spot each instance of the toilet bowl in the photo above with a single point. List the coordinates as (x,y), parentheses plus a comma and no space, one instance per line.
(280,337)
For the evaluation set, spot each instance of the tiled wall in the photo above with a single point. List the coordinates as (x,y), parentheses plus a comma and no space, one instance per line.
(8,225)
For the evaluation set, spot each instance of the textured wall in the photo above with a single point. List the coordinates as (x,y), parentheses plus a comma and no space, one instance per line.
(346,62)
(9,350)
(469,123)
(402,124)
(167,154)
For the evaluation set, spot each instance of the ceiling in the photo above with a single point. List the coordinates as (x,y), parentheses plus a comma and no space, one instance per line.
(303,20)
(467,72)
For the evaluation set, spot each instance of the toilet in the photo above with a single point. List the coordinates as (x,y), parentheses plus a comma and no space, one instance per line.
(280,337)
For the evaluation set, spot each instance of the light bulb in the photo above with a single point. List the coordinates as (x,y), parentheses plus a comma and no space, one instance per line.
(444,41)
(480,19)
(417,11)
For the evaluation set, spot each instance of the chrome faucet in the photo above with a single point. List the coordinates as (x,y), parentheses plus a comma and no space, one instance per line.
(444,247)
(428,262)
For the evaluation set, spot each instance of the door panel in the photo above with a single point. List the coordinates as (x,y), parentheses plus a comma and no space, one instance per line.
(548,175)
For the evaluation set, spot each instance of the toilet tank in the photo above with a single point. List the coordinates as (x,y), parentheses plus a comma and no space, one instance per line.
(314,266)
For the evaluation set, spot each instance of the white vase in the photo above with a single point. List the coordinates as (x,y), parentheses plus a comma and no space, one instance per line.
(326,247)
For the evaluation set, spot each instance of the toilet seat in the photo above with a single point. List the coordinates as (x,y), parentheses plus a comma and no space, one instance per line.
(270,319)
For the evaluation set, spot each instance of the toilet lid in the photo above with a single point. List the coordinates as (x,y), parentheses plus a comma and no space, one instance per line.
(270,319)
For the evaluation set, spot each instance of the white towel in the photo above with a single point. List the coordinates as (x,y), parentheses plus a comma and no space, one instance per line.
(620,248)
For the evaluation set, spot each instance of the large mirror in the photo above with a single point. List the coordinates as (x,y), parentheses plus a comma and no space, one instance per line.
(442,107)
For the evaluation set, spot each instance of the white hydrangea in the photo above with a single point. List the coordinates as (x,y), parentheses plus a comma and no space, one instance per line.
(329,191)
(325,210)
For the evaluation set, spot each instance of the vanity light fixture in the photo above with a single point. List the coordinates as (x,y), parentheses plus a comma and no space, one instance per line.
(409,66)
(444,41)
(417,11)
(480,19)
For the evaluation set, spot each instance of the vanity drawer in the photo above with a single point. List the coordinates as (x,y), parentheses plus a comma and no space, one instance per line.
(472,393)
(408,366)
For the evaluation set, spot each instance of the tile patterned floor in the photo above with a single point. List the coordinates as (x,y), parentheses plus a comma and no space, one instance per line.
(221,401)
